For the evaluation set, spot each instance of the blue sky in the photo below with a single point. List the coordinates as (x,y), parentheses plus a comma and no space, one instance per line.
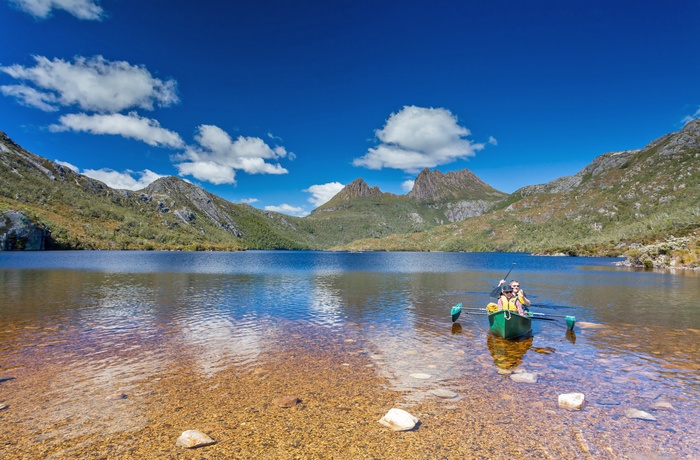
(279,104)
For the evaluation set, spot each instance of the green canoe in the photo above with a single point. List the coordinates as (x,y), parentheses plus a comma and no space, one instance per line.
(509,324)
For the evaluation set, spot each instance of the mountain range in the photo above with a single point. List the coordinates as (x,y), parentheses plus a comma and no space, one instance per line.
(616,205)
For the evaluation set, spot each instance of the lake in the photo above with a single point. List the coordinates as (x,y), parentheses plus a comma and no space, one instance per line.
(114,354)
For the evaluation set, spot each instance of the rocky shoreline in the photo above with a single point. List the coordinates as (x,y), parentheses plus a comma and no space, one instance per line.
(671,253)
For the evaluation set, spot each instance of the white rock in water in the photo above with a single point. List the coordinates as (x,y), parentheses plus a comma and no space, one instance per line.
(421,376)
(399,420)
(524,377)
(572,401)
(194,438)
(639,414)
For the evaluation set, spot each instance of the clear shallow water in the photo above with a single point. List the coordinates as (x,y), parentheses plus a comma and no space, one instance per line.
(108,322)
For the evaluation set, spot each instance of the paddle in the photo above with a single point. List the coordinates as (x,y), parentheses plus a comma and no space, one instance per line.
(497,289)
(570,320)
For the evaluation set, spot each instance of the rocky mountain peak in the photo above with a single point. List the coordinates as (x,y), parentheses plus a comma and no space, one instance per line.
(357,188)
(454,185)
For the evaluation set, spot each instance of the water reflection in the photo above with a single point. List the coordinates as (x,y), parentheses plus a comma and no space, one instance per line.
(70,340)
(508,354)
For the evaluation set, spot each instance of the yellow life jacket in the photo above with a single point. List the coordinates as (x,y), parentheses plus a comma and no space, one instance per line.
(509,304)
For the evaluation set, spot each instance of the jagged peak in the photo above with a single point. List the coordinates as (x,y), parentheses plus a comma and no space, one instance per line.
(358,188)
(437,186)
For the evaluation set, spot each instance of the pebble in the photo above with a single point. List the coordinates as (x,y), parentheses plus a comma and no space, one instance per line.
(662,405)
(287,401)
(399,420)
(421,376)
(573,401)
(524,377)
(3,406)
(192,439)
(116,396)
(639,414)
(445,394)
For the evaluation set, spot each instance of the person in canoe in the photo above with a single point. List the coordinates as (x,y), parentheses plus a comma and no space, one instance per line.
(508,301)
(519,293)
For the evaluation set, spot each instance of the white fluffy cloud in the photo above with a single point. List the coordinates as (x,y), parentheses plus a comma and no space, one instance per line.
(217,156)
(81,9)
(127,180)
(417,138)
(129,126)
(321,193)
(407,185)
(30,97)
(93,84)
(288,209)
(123,180)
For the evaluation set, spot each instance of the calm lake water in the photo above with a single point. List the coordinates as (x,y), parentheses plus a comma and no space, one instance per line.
(77,327)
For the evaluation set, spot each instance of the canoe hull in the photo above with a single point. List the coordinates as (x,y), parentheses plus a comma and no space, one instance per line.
(509,324)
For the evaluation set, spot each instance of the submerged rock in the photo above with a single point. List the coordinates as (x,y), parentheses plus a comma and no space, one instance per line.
(572,401)
(192,439)
(287,401)
(544,350)
(524,377)
(421,376)
(640,415)
(399,420)
(445,394)
(662,405)
(587,325)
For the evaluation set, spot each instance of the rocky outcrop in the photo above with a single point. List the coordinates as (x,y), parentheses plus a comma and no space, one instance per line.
(462,210)
(19,233)
(169,192)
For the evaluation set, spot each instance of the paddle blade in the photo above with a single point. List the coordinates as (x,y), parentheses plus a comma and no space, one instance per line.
(570,321)
(496,291)
(456,311)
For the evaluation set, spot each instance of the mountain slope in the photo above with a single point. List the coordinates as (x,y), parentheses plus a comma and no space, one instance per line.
(83,213)
(619,199)
(358,210)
